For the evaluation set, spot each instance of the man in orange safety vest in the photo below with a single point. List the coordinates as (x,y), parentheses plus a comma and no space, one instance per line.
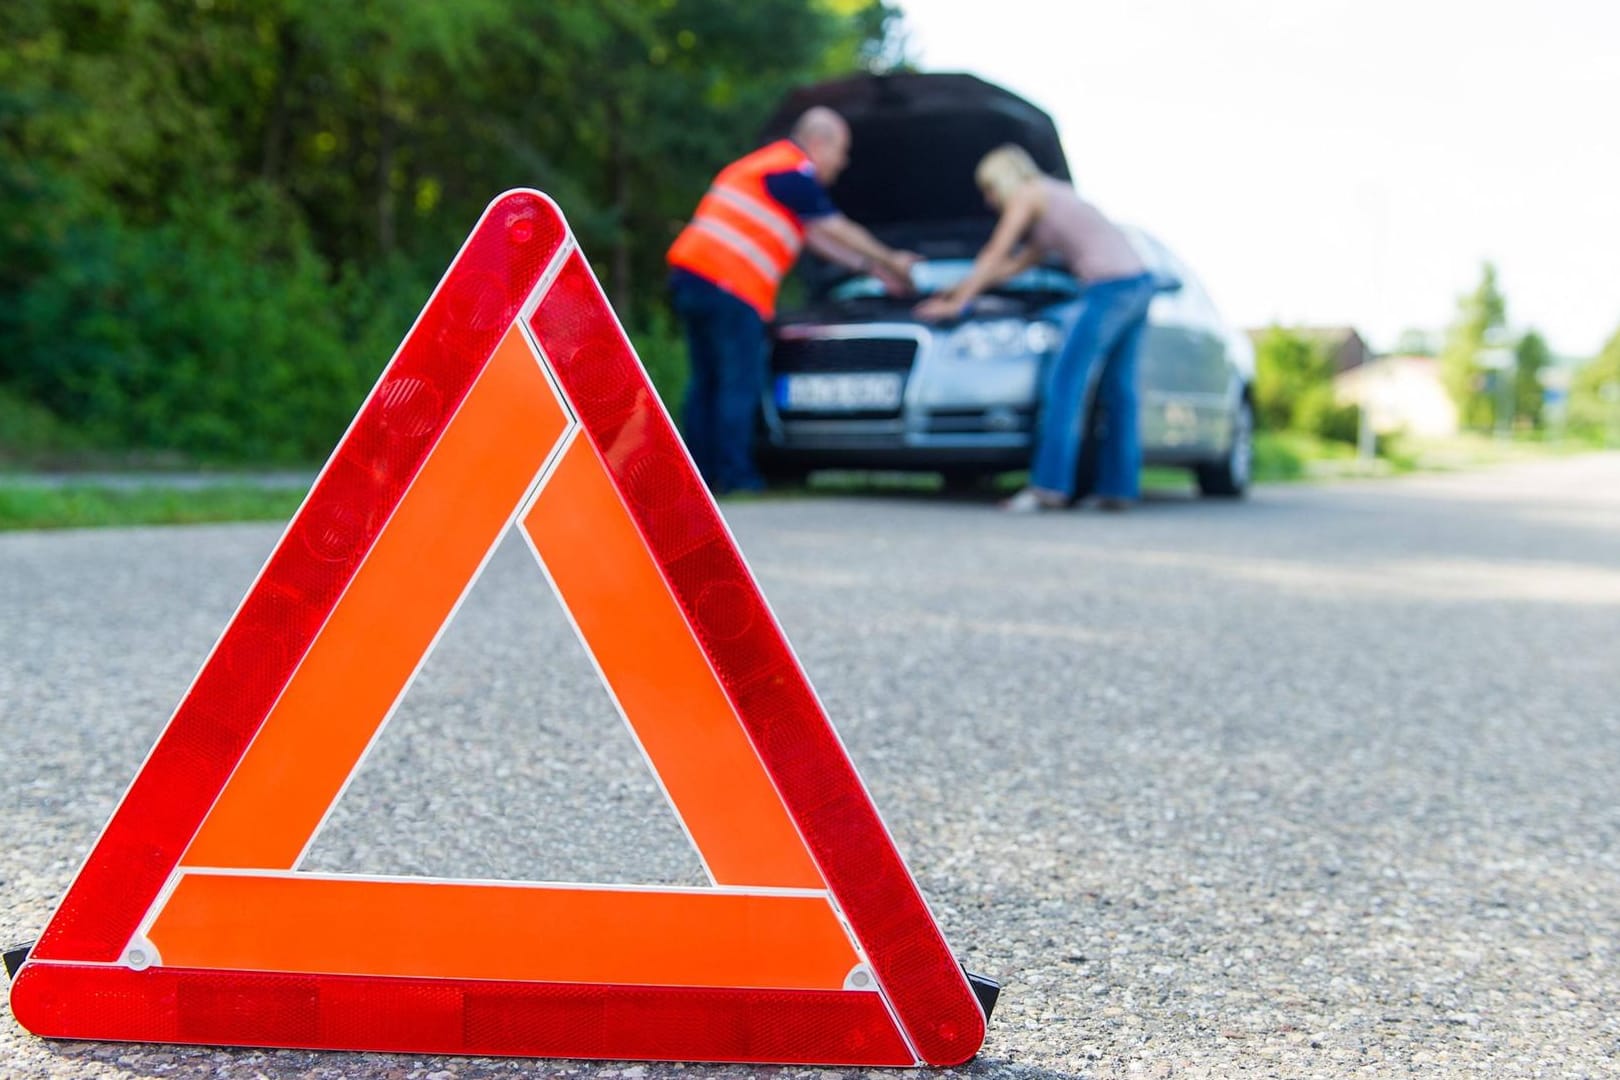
(726,266)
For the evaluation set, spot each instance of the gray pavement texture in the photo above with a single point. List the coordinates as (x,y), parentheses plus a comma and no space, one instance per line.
(1320,784)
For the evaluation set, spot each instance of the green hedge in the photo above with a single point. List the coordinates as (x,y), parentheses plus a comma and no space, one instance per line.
(219,338)
(216,335)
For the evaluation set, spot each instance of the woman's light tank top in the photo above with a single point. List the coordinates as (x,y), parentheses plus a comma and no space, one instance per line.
(1093,247)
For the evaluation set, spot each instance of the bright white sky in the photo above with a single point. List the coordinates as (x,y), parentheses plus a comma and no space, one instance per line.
(1334,161)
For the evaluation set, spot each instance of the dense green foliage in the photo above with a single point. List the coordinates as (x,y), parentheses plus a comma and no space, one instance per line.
(1594,396)
(1293,387)
(1481,315)
(1531,359)
(1496,379)
(218,217)
(1480,327)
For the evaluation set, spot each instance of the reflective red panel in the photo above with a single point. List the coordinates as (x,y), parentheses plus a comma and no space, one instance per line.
(429,1016)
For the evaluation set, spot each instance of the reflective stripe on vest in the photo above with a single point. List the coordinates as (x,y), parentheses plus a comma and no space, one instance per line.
(767,216)
(740,238)
(743,246)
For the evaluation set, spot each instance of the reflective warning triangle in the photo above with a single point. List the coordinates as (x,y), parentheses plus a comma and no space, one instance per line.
(514,402)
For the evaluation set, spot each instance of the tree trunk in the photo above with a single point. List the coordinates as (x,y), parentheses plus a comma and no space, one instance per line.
(275,125)
(387,138)
(619,164)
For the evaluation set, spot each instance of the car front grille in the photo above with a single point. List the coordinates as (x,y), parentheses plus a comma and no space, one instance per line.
(995,421)
(843,354)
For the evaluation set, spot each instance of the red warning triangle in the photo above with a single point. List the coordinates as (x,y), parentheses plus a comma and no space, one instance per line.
(514,402)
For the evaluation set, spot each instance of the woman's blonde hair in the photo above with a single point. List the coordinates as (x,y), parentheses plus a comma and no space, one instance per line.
(1004,170)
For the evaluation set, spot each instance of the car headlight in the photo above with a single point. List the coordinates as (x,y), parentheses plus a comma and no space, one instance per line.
(1043,337)
(988,340)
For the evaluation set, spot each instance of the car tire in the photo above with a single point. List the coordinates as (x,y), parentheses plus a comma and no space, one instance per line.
(1229,477)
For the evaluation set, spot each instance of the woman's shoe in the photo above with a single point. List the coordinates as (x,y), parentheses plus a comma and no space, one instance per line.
(1032,501)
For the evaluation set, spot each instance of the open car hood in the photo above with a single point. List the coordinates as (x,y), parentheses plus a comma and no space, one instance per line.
(916,140)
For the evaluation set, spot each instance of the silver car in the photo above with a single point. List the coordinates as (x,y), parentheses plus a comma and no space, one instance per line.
(857,382)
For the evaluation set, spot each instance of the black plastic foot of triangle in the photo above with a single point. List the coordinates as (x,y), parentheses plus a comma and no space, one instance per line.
(986,989)
(15,956)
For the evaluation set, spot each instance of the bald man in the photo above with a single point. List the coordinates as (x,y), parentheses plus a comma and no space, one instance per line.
(726,267)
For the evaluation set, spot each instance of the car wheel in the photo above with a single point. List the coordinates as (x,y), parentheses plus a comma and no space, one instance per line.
(1229,477)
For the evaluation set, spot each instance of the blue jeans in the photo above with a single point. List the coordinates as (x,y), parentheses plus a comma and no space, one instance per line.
(1113,316)
(725,341)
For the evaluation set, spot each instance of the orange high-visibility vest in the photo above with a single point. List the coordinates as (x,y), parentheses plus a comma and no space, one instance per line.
(740,238)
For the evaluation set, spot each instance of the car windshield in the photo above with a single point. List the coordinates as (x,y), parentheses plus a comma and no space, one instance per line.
(937,275)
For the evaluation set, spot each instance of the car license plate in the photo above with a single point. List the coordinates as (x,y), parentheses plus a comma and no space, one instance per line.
(839,393)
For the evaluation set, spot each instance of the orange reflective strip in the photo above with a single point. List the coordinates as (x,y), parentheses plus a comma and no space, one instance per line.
(352,926)
(424,559)
(647,653)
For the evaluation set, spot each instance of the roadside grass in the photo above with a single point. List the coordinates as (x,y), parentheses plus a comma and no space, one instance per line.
(66,481)
(74,506)
(1472,451)
(1283,456)
(1279,457)
(1287,456)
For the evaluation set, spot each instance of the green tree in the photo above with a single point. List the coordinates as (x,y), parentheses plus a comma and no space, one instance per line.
(218,218)
(1594,395)
(1293,379)
(1531,357)
(1481,316)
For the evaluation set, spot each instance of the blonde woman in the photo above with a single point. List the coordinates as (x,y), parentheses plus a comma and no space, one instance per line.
(1043,217)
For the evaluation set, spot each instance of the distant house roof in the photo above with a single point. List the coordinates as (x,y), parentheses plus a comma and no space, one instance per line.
(1343,343)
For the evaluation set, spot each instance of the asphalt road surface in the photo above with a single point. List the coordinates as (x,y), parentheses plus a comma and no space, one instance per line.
(1326,783)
